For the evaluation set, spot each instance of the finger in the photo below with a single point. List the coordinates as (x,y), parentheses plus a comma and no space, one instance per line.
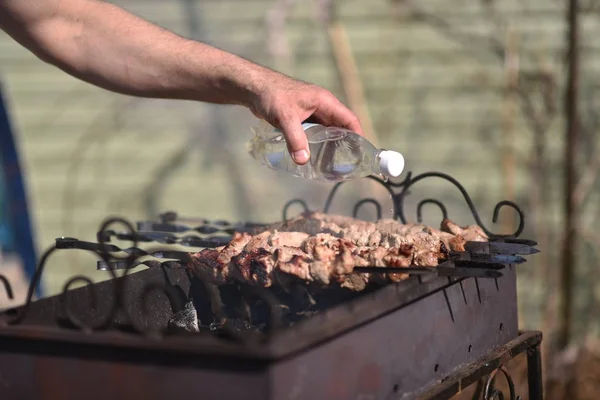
(353,123)
(339,115)
(312,119)
(295,138)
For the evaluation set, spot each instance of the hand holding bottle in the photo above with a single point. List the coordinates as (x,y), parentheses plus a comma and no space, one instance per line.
(286,103)
(337,154)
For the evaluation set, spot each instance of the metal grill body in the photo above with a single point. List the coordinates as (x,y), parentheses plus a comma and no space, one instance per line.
(425,337)
(401,339)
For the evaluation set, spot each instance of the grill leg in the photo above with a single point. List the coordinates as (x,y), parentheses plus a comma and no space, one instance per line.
(534,373)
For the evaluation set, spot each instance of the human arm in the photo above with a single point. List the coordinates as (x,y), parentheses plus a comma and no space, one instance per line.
(104,45)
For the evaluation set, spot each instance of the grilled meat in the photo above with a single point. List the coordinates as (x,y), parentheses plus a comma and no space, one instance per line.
(322,249)
(471,233)
(288,239)
(214,263)
(386,232)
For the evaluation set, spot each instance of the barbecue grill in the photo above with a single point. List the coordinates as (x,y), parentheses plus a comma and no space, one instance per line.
(152,331)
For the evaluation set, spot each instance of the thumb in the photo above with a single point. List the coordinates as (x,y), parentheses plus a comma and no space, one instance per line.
(297,143)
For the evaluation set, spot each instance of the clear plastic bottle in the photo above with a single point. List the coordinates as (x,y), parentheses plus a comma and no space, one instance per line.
(336,155)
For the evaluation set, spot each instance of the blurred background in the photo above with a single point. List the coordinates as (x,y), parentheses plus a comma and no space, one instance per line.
(489,92)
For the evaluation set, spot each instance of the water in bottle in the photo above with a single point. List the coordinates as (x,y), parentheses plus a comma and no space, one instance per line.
(336,154)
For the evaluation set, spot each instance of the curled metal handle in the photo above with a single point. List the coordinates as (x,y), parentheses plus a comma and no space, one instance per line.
(72,317)
(7,287)
(491,393)
(514,207)
(388,185)
(430,201)
(409,181)
(290,203)
(21,312)
(401,196)
(104,252)
(367,201)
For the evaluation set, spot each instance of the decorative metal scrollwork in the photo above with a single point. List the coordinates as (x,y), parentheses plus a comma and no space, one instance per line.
(72,317)
(388,185)
(290,203)
(430,201)
(367,201)
(404,189)
(7,287)
(17,317)
(90,318)
(491,393)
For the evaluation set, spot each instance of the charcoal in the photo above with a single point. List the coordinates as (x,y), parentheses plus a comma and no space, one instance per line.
(185,320)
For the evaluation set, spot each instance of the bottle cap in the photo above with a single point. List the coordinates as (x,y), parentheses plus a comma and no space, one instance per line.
(391,163)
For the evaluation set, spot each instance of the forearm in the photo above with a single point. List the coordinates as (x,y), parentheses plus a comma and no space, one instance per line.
(111,48)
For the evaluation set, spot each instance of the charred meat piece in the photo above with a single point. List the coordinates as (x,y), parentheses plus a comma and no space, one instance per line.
(253,267)
(288,239)
(258,241)
(331,262)
(471,233)
(319,249)
(392,227)
(320,239)
(457,243)
(308,223)
(386,257)
(298,265)
(292,267)
(213,264)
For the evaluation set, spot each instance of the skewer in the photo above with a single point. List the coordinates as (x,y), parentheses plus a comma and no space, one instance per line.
(439,271)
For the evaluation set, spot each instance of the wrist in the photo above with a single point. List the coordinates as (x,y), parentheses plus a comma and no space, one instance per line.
(248,82)
(213,75)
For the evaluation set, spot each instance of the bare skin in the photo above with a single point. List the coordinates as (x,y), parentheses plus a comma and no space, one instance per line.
(107,46)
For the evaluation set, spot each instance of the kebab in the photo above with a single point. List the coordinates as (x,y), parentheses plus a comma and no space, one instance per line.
(320,249)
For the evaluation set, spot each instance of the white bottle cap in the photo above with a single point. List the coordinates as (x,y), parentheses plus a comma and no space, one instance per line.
(391,163)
